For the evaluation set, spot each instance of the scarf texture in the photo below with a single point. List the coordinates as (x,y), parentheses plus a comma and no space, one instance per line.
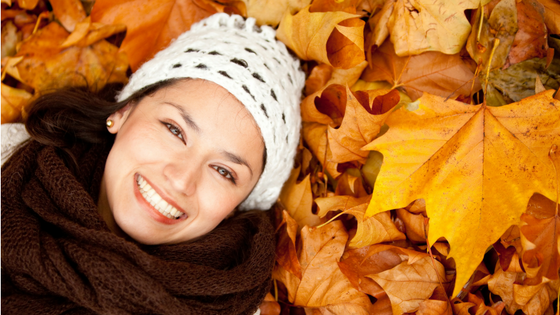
(59,257)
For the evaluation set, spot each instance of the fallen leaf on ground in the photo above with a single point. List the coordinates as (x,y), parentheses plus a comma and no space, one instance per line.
(541,256)
(310,36)
(378,29)
(161,22)
(444,149)
(27,4)
(269,306)
(315,135)
(531,299)
(87,33)
(270,12)
(417,26)
(500,24)
(410,282)
(46,65)
(323,285)
(350,185)
(10,38)
(13,100)
(551,15)
(415,228)
(332,6)
(334,203)
(480,307)
(375,229)
(68,12)
(364,115)
(531,38)
(357,263)
(518,81)
(286,253)
(434,307)
(431,72)
(325,75)
(298,200)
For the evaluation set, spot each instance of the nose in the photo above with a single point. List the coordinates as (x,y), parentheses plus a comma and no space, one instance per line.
(183,176)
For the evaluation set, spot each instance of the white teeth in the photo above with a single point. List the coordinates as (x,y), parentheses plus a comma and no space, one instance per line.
(156,201)
(170,209)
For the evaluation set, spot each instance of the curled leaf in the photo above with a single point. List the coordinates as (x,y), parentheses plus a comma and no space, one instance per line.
(333,38)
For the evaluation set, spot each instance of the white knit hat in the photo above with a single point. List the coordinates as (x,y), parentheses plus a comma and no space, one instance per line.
(257,69)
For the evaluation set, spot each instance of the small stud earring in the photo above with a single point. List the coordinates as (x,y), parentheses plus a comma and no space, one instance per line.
(109,123)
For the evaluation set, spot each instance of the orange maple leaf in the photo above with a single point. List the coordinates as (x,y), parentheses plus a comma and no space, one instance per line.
(161,21)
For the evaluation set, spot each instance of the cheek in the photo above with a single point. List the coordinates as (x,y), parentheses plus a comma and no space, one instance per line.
(216,203)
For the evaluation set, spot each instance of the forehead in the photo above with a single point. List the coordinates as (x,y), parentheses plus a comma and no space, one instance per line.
(205,99)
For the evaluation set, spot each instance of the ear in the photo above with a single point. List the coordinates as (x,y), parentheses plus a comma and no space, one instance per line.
(118,118)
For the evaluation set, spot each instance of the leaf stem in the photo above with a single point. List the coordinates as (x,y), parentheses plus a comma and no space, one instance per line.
(496,44)
(331,219)
(552,156)
(481,11)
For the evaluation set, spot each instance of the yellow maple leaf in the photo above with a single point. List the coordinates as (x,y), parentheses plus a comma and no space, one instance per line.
(270,12)
(364,115)
(475,166)
(417,26)
(334,38)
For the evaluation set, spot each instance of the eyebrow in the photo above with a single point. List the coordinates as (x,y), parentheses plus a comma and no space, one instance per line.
(186,117)
(232,157)
(237,160)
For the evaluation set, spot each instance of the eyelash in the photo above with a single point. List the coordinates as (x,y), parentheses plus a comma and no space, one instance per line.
(178,132)
(227,176)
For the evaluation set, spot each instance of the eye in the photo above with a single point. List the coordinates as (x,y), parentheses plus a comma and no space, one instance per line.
(225,173)
(175,130)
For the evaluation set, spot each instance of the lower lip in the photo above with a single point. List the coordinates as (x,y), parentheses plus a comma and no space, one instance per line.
(153,212)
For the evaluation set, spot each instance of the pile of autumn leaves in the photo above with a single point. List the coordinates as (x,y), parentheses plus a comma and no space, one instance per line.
(447,108)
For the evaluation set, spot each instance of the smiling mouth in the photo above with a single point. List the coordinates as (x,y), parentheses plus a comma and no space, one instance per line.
(155,200)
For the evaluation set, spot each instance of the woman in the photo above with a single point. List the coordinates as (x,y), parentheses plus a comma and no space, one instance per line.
(119,208)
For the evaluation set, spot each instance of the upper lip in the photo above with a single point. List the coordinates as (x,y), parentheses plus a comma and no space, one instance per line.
(163,195)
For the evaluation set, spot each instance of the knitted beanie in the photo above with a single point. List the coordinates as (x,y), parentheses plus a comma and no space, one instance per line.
(251,64)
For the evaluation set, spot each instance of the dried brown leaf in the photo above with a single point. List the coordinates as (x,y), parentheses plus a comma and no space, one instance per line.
(410,283)
(298,200)
(531,38)
(286,254)
(68,12)
(431,72)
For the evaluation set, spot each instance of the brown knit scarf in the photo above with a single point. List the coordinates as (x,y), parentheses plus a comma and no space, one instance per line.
(58,256)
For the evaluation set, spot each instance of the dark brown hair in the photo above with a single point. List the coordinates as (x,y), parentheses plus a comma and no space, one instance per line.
(74,115)
(70,115)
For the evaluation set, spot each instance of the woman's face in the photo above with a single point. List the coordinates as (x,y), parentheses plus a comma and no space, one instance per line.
(183,159)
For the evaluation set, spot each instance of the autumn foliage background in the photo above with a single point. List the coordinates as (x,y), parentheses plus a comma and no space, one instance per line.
(428,172)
